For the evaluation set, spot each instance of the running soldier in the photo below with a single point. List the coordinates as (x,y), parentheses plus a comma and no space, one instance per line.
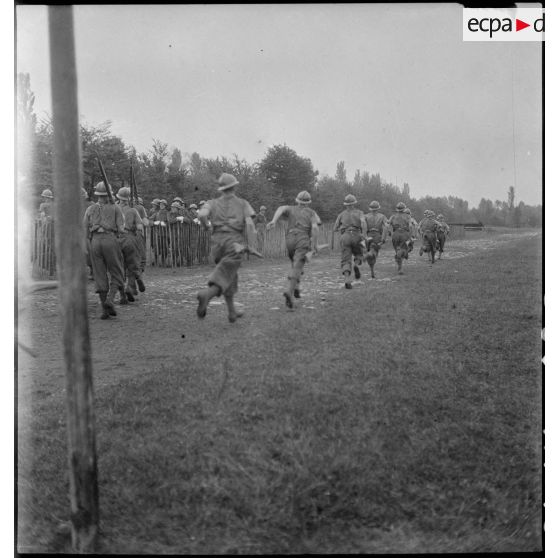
(376,231)
(442,234)
(352,224)
(133,227)
(400,225)
(230,217)
(428,227)
(104,221)
(301,238)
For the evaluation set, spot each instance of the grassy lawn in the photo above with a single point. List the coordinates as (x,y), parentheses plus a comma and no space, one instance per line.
(406,418)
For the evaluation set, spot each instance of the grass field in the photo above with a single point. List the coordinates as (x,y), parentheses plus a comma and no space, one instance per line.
(402,416)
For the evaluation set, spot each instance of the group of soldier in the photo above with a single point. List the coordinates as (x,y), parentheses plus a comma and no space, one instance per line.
(115,241)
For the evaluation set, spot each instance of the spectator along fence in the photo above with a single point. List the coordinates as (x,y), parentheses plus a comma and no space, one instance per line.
(178,245)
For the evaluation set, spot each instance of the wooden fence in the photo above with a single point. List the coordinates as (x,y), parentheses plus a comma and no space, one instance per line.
(182,245)
(176,245)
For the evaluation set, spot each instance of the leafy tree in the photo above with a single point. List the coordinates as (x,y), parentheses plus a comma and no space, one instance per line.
(288,172)
(341,172)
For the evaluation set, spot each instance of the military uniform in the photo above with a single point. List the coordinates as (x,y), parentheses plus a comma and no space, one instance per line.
(104,222)
(129,245)
(301,220)
(441,234)
(229,215)
(428,229)
(376,231)
(400,224)
(350,223)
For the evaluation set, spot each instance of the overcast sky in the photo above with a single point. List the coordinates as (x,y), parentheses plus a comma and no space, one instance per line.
(386,88)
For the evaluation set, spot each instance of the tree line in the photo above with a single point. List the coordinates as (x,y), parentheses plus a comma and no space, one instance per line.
(166,172)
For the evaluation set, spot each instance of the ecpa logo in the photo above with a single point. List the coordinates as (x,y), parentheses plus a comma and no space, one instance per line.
(512,24)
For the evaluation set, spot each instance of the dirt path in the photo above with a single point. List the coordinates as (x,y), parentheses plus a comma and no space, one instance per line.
(161,328)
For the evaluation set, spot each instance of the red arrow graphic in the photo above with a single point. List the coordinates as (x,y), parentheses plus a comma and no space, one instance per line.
(519,25)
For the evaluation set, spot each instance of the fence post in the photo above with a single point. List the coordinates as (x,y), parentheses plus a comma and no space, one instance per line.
(70,253)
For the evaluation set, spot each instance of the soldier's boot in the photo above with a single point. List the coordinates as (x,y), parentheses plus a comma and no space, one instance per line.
(233,312)
(347,275)
(141,284)
(103,297)
(130,294)
(399,261)
(357,271)
(133,286)
(109,304)
(204,296)
(123,298)
(289,292)
(296,290)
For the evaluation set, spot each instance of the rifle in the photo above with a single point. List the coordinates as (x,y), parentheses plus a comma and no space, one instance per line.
(241,248)
(105,179)
(133,186)
(312,253)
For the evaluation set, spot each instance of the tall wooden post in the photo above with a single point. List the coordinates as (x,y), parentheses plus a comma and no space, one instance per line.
(70,255)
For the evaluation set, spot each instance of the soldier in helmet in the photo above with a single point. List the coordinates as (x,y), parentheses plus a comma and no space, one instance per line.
(428,228)
(104,221)
(441,234)
(260,222)
(302,238)
(352,225)
(133,226)
(376,231)
(154,210)
(400,226)
(230,217)
(46,206)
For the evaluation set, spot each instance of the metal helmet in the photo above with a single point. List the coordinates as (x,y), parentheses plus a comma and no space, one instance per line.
(123,193)
(440,217)
(263,208)
(431,213)
(426,212)
(101,189)
(155,201)
(192,206)
(374,205)
(175,204)
(303,197)
(140,200)
(400,206)
(227,181)
(163,201)
(201,202)
(349,200)
(177,199)
(47,193)
(407,211)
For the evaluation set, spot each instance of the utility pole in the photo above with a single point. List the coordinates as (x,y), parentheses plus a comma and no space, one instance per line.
(70,250)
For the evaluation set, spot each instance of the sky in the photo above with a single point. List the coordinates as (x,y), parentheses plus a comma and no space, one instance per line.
(385,88)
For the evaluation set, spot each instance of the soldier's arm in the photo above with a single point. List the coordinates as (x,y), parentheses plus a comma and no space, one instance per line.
(138,221)
(385,228)
(337,223)
(278,212)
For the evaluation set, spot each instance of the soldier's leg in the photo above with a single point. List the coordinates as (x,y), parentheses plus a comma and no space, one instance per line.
(224,278)
(228,295)
(99,270)
(115,266)
(346,258)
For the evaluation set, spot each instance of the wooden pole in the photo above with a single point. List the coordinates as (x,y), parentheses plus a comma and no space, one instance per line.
(70,252)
